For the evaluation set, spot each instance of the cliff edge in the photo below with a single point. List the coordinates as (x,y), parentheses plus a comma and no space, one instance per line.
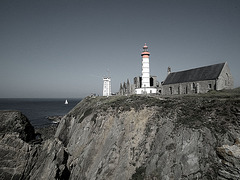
(144,137)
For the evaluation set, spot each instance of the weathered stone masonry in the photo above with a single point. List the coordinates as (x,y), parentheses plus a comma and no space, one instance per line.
(199,80)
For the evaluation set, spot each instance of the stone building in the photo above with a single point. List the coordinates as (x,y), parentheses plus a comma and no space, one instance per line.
(198,80)
(138,82)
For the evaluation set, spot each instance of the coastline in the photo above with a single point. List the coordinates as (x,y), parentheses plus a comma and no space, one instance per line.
(39,109)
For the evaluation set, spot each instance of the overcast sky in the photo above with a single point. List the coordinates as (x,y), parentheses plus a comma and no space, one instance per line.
(63,48)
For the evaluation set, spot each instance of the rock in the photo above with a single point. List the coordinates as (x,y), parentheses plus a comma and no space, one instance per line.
(47,132)
(230,161)
(16,122)
(51,162)
(55,119)
(133,137)
(15,151)
(22,158)
(144,137)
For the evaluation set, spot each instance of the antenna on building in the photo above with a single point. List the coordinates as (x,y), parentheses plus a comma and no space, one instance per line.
(108,73)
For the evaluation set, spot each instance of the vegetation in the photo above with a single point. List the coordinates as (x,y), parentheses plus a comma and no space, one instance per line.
(140,174)
(216,110)
(190,110)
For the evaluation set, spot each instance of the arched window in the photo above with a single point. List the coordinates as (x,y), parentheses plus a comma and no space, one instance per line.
(193,86)
(178,89)
(227,80)
(151,81)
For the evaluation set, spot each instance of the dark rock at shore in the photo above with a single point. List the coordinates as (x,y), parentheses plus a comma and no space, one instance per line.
(47,132)
(23,156)
(15,151)
(55,119)
(16,122)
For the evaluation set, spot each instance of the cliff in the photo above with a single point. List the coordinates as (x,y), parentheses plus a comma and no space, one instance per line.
(16,133)
(143,137)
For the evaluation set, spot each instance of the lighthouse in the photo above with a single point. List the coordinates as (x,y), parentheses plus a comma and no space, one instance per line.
(145,67)
(145,79)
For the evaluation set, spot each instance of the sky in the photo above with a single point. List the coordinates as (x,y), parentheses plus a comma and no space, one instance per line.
(63,48)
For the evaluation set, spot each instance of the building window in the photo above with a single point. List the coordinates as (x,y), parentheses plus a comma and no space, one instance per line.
(186,90)
(227,80)
(170,89)
(178,89)
(210,86)
(197,88)
(151,82)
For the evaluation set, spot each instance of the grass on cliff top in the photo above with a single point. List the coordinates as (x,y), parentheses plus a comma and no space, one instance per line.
(192,109)
(140,101)
(226,93)
(124,103)
(217,110)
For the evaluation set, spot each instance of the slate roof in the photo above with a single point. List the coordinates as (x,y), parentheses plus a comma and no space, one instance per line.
(198,74)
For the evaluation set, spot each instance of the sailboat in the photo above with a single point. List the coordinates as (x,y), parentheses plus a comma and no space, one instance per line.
(66,102)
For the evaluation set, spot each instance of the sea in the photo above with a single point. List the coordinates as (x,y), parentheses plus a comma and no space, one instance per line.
(38,110)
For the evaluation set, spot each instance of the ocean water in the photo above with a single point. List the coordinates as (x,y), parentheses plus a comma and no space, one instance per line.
(37,110)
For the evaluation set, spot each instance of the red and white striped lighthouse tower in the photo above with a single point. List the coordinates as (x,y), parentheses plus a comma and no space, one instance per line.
(145,82)
(145,67)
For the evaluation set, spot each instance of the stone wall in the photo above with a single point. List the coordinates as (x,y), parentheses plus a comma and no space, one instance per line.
(225,79)
(137,82)
(126,88)
(189,87)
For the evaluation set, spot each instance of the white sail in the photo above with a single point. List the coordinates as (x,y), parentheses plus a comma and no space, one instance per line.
(66,102)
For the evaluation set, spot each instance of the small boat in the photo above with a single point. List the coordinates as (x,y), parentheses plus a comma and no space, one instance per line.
(66,102)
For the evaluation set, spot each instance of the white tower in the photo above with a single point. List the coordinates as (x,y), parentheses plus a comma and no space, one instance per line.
(145,67)
(145,86)
(106,86)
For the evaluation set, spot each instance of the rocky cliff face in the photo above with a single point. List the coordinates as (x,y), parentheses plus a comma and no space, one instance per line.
(152,138)
(23,155)
(15,133)
(142,137)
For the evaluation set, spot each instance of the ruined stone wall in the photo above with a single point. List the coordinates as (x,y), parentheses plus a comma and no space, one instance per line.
(126,88)
(137,82)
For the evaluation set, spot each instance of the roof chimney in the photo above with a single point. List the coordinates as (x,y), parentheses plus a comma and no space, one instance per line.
(169,70)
